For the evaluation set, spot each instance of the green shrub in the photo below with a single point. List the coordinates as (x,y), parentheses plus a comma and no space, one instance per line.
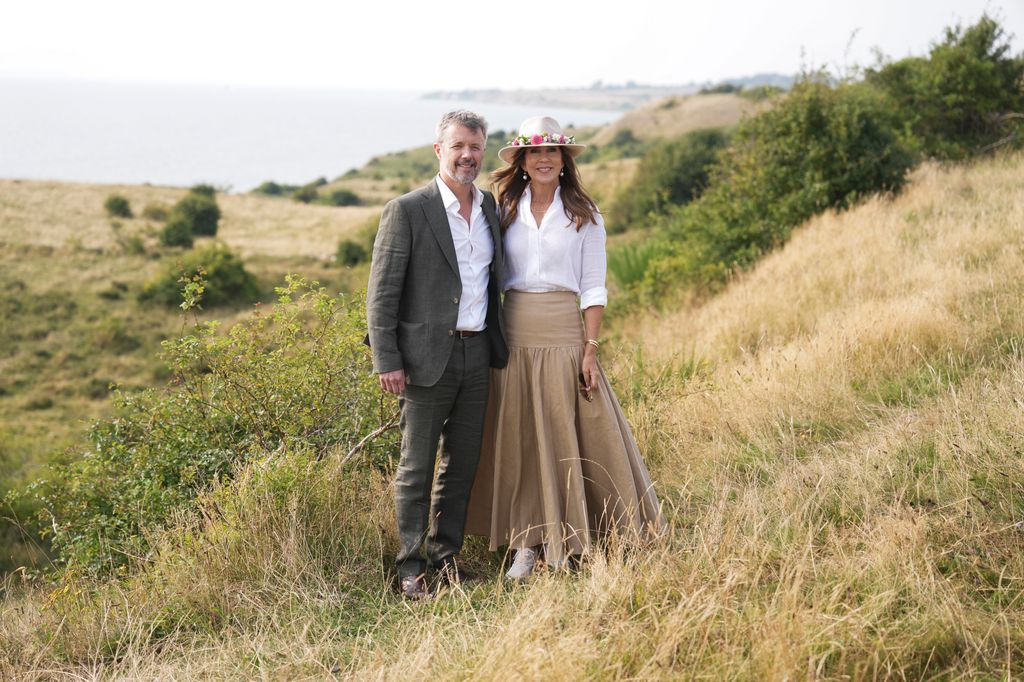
(821,147)
(306,194)
(671,173)
(341,197)
(624,144)
(628,264)
(203,189)
(200,212)
(350,253)
(953,101)
(157,212)
(358,247)
(117,206)
(225,279)
(294,378)
(273,189)
(176,232)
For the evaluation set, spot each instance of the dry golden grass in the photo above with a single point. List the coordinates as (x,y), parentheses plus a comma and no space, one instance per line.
(57,214)
(605,179)
(838,442)
(674,116)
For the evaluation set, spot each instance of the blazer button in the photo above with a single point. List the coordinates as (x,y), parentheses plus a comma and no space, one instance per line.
(451,332)
(455,300)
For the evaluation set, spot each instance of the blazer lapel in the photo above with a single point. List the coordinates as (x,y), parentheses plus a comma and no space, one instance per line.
(437,218)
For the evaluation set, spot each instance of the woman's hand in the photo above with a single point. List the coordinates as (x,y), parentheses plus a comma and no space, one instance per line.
(589,369)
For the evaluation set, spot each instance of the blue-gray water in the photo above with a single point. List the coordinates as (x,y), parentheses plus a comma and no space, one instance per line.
(227,136)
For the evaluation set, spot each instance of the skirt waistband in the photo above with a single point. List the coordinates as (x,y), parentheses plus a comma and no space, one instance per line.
(549,319)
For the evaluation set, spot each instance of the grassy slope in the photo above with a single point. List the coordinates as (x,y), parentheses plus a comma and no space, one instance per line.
(72,324)
(837,441)
(675,116)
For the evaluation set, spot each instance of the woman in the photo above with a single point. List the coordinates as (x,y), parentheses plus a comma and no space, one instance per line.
(559,462)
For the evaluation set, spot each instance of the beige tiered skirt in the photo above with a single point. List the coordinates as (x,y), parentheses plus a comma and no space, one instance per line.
(556,470)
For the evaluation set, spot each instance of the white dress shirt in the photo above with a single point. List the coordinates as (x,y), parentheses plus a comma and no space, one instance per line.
(555,256)
(474,250)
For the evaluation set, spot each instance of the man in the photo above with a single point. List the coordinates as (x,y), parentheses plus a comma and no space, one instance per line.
(435,327)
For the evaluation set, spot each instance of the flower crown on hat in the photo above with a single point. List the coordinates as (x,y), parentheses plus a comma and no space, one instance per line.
(540,138)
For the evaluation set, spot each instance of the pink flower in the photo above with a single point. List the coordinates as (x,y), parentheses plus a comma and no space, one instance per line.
(561,139)
(515,142)
(536,139)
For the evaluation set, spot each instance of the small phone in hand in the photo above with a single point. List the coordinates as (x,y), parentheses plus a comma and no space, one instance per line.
(583,388)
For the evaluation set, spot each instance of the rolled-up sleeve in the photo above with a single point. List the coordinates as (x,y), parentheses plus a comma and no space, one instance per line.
(593,270)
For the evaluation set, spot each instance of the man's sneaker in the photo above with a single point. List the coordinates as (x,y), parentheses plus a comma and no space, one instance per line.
(413,587)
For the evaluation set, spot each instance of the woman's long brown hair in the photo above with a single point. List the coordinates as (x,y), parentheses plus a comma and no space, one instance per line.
(509,186)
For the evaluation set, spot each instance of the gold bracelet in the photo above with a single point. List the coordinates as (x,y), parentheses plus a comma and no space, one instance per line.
(594,342)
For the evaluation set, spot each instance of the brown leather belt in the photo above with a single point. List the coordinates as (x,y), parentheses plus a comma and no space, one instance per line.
(464,334)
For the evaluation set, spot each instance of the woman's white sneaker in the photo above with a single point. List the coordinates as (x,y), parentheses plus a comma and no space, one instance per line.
(523,563)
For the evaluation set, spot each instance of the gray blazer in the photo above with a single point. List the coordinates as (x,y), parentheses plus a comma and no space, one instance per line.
(412,299)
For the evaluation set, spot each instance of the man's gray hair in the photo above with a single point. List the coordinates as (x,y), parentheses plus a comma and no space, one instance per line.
(462,117)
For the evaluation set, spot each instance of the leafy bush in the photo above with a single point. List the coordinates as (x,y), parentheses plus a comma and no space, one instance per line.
(670,173)
(203,189)
(350,253)
(117,206)
(273,189)
(341,197)
(225,279)
(821,147)
(305,194)
(296,378)
(953,102)
(177,232)
(624,144)
(200,212)
(157,212)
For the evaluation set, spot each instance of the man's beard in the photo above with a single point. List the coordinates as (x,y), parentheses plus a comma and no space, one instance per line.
(465,175)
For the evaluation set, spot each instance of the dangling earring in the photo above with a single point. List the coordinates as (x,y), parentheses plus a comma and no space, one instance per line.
(525,176)
(561,173)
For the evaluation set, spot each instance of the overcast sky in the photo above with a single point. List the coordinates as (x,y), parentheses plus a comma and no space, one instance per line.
(421,46)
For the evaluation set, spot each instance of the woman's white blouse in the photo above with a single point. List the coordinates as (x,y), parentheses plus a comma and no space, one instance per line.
(555,256)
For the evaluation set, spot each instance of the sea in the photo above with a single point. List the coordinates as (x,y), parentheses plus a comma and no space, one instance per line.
(231,137)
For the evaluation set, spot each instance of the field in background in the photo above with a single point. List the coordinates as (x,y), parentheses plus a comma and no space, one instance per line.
(73,326)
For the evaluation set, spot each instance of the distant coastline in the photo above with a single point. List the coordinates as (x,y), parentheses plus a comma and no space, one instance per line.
(600,95)
(237,138)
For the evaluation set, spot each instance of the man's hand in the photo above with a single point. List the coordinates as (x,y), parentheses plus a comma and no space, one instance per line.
(393,382)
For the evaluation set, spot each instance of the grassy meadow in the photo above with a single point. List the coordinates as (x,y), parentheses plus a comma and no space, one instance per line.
(836,438)
(73,325)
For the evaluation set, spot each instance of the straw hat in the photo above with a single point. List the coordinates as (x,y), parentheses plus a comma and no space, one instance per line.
(540,131)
